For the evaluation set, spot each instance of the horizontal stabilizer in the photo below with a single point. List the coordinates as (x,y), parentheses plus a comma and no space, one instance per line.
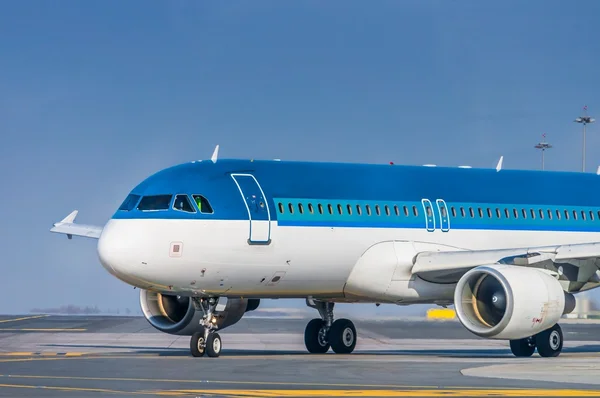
(67,226)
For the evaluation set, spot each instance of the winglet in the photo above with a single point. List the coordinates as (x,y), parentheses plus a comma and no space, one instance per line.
(215,155)
(67,226)
(70,218)
(598,171)
(499,165)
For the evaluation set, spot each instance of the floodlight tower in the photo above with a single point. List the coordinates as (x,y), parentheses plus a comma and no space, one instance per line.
(585,119)
(543,146)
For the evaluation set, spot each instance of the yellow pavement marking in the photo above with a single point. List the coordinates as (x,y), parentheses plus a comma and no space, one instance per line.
(23,318)
(43,329)
(391,393)
(441,313)
(76,389)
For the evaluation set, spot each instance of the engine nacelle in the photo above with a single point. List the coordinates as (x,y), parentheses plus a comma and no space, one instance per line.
(177,314)
(509,302)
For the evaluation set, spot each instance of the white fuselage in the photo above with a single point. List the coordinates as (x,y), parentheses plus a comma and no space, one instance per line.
(215,258)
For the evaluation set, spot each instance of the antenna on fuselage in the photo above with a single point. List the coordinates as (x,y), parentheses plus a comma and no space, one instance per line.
(215,154)
(499,165)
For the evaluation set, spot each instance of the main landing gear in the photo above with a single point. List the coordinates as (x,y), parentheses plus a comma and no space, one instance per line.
(320,334)
(208,341)
(549,343)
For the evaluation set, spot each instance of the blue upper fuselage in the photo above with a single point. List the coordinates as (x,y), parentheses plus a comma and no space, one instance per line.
(338,194)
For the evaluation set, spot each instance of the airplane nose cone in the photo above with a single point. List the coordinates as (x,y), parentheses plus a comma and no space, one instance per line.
(114,253)
(107,250)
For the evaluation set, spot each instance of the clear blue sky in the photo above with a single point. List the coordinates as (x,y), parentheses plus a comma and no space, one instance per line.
(95,96)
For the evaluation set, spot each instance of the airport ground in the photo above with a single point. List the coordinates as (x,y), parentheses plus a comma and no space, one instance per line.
(91,356)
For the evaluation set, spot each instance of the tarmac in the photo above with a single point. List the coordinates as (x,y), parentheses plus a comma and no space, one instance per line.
(92,356)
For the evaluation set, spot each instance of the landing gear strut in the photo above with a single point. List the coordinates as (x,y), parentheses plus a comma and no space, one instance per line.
(549,343)
(320,334)
(208,341)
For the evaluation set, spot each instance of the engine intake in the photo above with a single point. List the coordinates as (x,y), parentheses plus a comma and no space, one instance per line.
(509,302)
(177,315)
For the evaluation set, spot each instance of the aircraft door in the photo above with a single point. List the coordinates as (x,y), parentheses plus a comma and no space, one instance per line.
(444,217)
(258,210)
(429,216)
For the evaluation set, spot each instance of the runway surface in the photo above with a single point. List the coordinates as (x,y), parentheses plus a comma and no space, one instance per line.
(81,356)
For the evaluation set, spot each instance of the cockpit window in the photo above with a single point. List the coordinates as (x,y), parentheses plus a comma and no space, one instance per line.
(129,202)
(155,202)
(182,203)
(203,204)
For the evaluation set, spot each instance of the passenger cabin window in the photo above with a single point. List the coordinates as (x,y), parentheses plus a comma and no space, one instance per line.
(205,207)
(516,213)
(358,210)
(387,210)
(281,208)
(349,207)
(377,210)
(183,203)
(155,202)
(310,208)
(291,208)
(129,202)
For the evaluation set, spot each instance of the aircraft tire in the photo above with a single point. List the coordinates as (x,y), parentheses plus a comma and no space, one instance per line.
(550,342)
(522,347)
(342,336)
(313,341)
(213,345)
(197,344)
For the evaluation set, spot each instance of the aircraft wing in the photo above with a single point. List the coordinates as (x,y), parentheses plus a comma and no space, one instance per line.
(68,227)
(577,263)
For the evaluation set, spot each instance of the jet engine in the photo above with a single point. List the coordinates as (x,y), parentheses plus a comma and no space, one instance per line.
(510,302)
(177,314)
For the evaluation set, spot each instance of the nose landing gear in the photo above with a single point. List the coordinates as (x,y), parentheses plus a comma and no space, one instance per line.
(321,334)
(208,341)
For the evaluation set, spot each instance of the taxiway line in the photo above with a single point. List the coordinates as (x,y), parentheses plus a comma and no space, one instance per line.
(22,318)
(41,330)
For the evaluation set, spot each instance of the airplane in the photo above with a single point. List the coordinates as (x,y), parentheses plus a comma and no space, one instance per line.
(206,240)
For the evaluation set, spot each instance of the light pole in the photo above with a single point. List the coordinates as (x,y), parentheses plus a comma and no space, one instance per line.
(543,146)
(584,120)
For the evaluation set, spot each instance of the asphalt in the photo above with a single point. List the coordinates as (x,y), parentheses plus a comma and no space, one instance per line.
(81,356)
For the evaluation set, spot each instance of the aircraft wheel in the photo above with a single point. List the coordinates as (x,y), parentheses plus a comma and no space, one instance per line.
(213,345)
(342,336)
(523,347)
(550,342)
(315,337)
(197,346)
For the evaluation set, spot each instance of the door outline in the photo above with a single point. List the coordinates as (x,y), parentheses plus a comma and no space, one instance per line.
(429,220)
(444,221)
(250,241)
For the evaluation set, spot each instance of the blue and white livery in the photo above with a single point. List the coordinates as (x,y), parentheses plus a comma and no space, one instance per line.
(206,240)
